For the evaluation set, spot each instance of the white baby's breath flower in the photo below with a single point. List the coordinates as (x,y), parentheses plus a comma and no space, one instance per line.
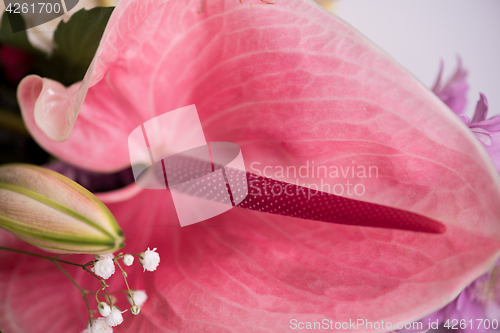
(115,318)
(150,259)
(128,259)
(104,266)
(139,296)
(100,326)
(104,309)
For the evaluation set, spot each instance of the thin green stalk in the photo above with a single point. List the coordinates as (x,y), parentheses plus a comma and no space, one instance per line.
(103,283)
(104,295)
(96,295)
(56,262)
(82,291)
(40,256)
(126,282)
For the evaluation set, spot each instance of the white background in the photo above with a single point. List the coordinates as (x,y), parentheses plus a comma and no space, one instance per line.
(418,33)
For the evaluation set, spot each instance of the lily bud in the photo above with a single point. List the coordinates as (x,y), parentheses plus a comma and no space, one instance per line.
(50,211)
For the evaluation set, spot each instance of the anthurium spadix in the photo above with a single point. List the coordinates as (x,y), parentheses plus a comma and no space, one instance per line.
(289,83)
(54,213)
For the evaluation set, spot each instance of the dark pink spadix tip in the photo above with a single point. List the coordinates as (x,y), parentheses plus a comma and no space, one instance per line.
(301,202)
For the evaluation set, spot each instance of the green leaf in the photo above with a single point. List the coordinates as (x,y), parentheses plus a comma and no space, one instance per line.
(76,42)
(15,39)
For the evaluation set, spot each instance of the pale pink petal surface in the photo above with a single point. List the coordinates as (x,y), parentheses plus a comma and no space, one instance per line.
(289,83)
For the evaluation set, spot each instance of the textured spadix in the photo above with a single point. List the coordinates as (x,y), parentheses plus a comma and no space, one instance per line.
(54,213)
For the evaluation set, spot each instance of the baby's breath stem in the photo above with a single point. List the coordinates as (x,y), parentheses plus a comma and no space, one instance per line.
(104,295)
(125,278)
(97,294)
(82,291)
(103,283)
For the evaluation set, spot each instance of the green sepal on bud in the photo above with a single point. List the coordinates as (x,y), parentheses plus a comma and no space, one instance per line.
(52,212)
(135,310)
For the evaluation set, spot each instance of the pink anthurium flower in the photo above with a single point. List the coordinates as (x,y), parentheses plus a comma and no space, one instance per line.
(289,83)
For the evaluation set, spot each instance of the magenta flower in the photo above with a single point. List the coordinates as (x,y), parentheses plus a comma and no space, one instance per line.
(289,83)
(478,303)
(486,130)
(453,93)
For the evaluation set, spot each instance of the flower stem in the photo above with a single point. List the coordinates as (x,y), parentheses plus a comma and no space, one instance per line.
(56,262)
(82,291)
(97,294)
(104,295)
(125,278)
(103,283)
(39,256)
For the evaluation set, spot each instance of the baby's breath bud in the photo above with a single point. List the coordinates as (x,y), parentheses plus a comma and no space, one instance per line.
(135,310)
(104,309)
(139,296)
(128,259)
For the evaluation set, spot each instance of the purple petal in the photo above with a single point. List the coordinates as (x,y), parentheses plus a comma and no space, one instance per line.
(424,330)
(465,119)
(93,181)
(461,302)
(463,307)
(481,109)
(492,310)
(482,135)
(454,92)
(491,125)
